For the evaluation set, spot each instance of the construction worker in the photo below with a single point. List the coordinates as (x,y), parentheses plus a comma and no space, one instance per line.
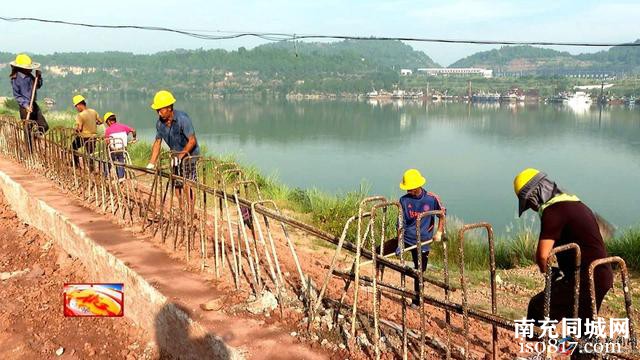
(86,124)
(22,81)
(563,219)
(416,201)
(117,136)
(176,129)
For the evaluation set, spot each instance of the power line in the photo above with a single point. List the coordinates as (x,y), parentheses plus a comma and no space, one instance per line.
(272,36)
(266,36)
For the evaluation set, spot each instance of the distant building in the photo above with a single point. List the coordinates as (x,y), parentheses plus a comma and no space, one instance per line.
(406,72)
(457,71)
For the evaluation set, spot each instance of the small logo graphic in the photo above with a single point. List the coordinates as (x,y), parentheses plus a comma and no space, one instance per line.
(566,346)
(426,207)
(93,299)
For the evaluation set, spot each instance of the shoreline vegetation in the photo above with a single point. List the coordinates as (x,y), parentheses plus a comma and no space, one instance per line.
(515,247)
(537,89)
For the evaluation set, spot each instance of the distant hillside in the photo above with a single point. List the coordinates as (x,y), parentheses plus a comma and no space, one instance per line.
(347,56)
(619,57)
(345,66)
(541,61)
(395,54)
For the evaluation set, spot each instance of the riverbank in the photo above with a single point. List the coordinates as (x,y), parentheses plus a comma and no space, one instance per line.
(514,248)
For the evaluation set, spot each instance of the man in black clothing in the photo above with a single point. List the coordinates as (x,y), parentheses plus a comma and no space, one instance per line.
(564,219)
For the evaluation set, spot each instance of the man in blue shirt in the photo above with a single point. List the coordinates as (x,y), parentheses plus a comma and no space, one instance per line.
(176,129)
(22,82)
(416,201)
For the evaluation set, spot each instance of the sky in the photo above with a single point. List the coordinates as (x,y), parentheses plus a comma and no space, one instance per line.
(614,21)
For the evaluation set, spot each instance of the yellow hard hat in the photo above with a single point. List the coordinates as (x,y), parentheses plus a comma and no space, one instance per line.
(523,178)
(107,115)
(412,179)
(78,99)
(24,61)
(162,99)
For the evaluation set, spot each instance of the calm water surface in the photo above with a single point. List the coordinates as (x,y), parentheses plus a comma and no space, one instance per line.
(469,154)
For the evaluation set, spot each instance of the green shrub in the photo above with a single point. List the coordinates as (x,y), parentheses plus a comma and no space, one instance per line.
(11,104)
(627,246)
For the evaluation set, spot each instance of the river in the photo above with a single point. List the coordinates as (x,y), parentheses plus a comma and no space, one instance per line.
(469,154)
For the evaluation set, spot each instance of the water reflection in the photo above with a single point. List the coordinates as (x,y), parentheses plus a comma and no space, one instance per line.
(470,152)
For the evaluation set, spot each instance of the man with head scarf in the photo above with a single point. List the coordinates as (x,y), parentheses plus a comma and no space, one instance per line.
(564,219)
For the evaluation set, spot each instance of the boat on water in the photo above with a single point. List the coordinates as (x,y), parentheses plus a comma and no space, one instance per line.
(579,98)
(398,94)
(510,97)
(558,98)
(485,97)
(395,95)
(513,95)
(375,94)
(415,95)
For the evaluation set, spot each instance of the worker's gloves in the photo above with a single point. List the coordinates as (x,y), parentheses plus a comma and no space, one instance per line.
(151,166)
(438,236)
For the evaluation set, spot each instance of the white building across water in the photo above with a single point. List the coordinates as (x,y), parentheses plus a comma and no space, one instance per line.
(487,73)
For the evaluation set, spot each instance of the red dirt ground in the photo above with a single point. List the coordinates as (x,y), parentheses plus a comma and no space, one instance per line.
(32,325)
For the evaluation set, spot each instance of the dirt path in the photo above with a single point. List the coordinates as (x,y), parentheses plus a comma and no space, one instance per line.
(255,337)
(32,325)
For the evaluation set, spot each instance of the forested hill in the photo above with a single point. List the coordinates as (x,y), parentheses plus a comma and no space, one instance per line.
(394,54)
(540,61)
(346,66)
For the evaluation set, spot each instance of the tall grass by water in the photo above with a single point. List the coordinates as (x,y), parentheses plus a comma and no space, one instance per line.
(329,212)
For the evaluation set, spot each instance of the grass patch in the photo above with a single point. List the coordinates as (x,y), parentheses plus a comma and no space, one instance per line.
(512,250)
(627,246)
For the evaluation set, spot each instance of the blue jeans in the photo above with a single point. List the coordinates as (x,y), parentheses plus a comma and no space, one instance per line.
(117,157)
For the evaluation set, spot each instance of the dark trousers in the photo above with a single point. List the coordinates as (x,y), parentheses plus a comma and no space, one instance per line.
(36,115)
(184,168)
(89,145)
(561,305)
(390,247)
(41,122)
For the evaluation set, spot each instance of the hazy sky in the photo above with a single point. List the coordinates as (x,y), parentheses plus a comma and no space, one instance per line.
(543,20)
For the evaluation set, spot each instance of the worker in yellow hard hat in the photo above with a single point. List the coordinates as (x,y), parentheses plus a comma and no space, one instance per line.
(416,201)
(175,128)
(22,84)
(564,219)
(86,124)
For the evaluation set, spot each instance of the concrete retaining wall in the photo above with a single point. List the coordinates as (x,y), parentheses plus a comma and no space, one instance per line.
(175,333)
